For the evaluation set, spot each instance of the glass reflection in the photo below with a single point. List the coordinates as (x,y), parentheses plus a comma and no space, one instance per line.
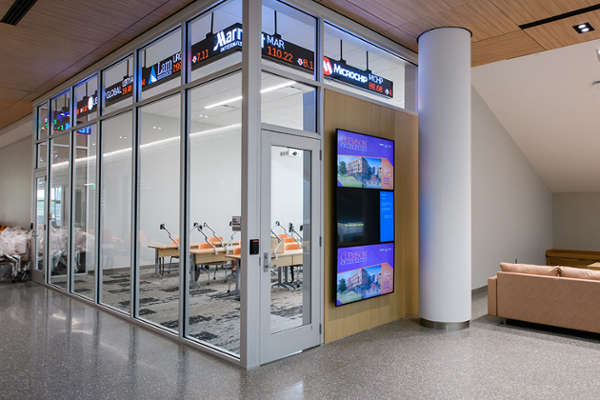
(208,55)
(215,197)
(60,160)
(84,217)
(159,212)
(287,103)
(115,208)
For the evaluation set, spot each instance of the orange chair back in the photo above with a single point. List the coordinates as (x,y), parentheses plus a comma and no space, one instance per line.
(215,239)
(237,251)
(283,235)
(289,240)
(292,246)
(204,246)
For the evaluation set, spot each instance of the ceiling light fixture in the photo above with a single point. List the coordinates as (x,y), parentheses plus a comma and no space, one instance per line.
(583,28)
(238,98)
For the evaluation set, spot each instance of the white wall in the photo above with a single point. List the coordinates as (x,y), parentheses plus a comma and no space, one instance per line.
(511,205)
(576,221)
(16,173)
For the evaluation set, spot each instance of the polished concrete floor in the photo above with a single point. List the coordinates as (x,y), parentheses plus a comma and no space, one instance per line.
(53,347)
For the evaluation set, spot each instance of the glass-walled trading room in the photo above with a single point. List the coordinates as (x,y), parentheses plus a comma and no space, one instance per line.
(148,166)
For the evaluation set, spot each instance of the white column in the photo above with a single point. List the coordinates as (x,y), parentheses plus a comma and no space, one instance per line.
(444,106)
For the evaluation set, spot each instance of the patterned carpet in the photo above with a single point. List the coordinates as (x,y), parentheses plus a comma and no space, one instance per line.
(214,313)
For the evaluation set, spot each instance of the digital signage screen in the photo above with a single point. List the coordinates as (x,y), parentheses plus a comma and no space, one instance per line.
(364,272)
(364,161)
(364,216)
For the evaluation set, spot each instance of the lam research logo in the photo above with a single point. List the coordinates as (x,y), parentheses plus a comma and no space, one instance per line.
(327,68)
(152,76)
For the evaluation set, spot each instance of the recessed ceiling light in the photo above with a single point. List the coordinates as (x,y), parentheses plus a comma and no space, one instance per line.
(583,28)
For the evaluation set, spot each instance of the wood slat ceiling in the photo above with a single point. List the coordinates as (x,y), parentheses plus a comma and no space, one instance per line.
(58,38)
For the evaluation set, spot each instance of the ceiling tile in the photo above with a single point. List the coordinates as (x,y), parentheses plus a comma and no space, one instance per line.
(560,33)
(357,14)
(401,37)
(482,18)
(15,112)
(526,11)
(510,45)
(399,13)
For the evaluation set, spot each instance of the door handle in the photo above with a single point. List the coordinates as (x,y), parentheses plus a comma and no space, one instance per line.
(266,259)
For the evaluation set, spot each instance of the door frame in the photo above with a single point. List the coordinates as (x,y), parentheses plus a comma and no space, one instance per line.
(274,346)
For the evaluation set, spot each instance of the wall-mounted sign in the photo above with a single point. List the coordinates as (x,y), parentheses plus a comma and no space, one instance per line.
(365,217)
(119,91)
(61,120)
(217,45)
(162,71)
(229,40)
(365,80)
(276,49)
(87,105)
(85,131)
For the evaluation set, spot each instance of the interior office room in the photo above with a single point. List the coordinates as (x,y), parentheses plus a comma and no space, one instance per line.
(190,194)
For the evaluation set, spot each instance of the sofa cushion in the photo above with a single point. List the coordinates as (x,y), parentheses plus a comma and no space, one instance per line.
(579,273)
(530,269)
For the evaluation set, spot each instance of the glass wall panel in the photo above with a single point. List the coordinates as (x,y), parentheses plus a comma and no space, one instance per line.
(40,214)
(215,143)
(61,112)
(288,38)
(367,70)
(86,100)
(84,217)
(288,103)
(118,86)
(290,218)
(159,211)
(160,64)
(42,121)
(59,210)
(115,208)
(216,39)
(42,155)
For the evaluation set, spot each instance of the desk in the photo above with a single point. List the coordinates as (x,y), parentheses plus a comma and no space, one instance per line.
(199,256)
(283,260)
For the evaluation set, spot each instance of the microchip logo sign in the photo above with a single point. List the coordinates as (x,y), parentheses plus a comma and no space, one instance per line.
(327,68)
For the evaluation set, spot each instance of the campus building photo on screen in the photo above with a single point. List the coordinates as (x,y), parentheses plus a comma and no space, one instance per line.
(364,161)
(364,272)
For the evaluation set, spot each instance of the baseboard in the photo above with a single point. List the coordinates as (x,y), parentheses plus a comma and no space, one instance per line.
(482,289)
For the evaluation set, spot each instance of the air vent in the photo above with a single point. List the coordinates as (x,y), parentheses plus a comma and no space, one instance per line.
(17,11)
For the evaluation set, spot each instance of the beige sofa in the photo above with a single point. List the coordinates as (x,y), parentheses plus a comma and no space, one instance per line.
(558,296)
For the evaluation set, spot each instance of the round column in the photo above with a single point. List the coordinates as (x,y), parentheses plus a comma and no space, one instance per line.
(444,106)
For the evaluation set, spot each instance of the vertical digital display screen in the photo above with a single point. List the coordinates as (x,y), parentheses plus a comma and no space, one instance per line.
(365,217)
(364,272)
(386,216)
(364,161)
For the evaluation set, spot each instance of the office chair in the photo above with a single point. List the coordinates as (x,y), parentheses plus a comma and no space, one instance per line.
(294,246)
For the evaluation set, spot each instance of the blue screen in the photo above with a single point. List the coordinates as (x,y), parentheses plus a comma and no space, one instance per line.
(386,216)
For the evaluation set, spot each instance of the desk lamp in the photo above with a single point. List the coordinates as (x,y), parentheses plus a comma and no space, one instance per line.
(279,240)
(214,233)
(199,227)
(298,237)
(164,228)
(231,223)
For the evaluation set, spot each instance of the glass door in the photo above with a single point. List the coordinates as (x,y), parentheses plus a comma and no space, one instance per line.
(290,313)
(38,263)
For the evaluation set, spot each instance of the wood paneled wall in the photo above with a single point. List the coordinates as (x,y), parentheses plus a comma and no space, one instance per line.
(349,113)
